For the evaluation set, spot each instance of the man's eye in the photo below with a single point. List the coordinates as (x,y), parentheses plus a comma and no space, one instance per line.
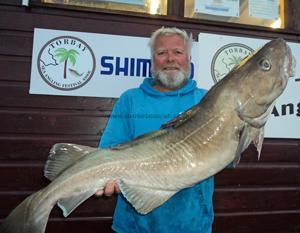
(178,52)
(161,53)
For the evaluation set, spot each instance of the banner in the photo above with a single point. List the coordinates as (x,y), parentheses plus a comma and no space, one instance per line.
(89,64)
(100,65)
(218,54)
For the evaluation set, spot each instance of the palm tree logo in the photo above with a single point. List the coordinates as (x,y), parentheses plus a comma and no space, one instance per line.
(227,57)
(65,55)
(234,60)
(66,63)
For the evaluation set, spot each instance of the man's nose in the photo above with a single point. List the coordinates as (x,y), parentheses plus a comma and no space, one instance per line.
(171,56)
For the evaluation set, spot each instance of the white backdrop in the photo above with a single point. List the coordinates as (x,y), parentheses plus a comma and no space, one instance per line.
(120,63)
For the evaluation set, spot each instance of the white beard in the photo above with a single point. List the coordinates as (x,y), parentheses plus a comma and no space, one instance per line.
(171,82)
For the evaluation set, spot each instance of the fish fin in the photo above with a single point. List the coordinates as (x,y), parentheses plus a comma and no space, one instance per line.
(23,220)
(68,205)
(144,199)
(62,156)
(258,141)
(244,141)
(181,118)
(139,139)
(248,134)
(255,121)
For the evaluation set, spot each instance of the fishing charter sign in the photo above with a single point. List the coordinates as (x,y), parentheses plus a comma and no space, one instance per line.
(89,64)
(218,54)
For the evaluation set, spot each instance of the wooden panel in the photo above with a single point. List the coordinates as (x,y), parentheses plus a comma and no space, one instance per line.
(274,150)
(259,176)
(8,66)
(22,99)
(11,2)
(264,222)
(51,122)
(126,25)
(16,148)
(40,18)
(9,40)
(256,199)
(80,225)
(94,206)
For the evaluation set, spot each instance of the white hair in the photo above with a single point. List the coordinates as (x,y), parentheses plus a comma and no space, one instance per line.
(170,31)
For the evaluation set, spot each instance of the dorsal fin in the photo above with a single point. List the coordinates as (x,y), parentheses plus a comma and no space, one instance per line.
(62,156)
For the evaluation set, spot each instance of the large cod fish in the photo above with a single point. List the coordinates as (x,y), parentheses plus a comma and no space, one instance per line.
(194,146)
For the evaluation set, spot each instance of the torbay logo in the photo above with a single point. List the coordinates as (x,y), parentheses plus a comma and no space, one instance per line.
(227,57)
(66,63)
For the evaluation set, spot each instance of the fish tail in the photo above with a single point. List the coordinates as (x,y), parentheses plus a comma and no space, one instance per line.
(25,219)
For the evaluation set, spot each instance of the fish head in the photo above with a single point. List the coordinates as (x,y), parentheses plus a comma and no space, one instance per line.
(262,78)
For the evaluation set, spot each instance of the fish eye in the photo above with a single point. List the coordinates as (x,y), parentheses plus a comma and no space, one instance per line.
(265,64)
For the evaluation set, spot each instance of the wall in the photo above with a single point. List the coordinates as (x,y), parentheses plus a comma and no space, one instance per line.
(262,197)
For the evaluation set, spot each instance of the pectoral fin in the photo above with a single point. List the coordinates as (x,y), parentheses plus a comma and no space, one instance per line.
(244,141)
(248,134)
(144,199)
(258,141)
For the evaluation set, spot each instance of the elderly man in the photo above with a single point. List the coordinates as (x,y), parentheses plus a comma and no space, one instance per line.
(165,95)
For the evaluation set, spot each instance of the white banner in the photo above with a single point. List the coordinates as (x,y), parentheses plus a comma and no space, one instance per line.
(89,64)
(100,65)
(217,56)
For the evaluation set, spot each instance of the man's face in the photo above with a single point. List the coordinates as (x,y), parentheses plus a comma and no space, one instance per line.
(171,61)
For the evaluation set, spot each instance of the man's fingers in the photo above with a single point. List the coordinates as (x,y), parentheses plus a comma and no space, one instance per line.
(99,193)
(109,188)
(117,188)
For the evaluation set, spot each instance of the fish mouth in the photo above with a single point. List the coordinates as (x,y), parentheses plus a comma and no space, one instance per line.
(291,69)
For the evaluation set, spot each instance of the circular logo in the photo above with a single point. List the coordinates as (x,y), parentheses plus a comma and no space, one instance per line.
(66,63)
(228,57)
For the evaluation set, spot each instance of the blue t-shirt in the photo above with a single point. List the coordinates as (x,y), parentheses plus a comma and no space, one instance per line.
(142,110)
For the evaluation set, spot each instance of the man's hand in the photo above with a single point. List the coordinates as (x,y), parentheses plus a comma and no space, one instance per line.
(110,188)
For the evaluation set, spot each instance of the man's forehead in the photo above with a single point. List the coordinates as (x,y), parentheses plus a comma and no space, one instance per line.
(174,44)
(169,37)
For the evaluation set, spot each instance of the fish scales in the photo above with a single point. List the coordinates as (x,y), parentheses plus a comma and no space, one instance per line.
(195,145)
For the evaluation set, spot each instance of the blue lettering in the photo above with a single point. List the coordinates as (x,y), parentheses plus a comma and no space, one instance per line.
(105,62)
(133,67)
(192,70)
(123,69)
(145,65)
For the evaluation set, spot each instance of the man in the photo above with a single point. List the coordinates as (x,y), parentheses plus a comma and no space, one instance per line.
(144,109)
